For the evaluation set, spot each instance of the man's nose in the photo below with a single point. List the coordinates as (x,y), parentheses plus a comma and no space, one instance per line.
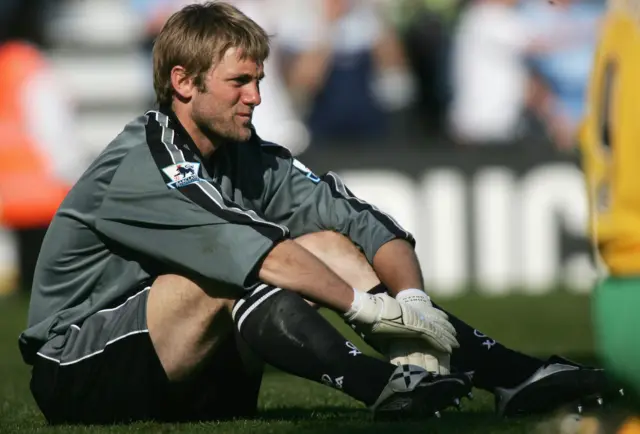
(252,96)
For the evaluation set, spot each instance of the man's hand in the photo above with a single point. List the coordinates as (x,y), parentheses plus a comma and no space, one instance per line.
(386,318)
(416,351)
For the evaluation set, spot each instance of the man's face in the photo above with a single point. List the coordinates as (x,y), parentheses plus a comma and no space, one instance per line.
(225,107)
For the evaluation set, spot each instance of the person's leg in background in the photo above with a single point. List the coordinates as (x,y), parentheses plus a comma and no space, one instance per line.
(616,322)
(616,315)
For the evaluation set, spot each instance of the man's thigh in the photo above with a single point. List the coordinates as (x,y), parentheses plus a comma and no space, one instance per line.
(107,371)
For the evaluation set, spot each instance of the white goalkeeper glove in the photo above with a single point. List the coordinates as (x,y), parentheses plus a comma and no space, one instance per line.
(383,317)
(417,351)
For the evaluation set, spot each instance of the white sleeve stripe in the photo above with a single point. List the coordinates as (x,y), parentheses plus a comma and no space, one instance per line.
(177,156)
(213,193)
(340,187)
(168,136)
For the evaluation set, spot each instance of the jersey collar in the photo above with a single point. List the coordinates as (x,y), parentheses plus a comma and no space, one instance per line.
(182,136)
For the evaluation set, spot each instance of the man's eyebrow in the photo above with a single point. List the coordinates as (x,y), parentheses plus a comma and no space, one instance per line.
(246,77)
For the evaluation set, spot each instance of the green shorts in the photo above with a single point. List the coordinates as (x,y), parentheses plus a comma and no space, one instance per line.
(616,315)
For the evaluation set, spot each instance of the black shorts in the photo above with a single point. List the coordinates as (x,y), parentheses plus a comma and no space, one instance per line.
(107,371)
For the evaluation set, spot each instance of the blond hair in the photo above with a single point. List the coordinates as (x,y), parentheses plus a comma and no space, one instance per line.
(197,37)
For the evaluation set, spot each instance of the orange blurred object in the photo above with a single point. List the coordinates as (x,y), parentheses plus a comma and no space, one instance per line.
(631,426)
(29,193)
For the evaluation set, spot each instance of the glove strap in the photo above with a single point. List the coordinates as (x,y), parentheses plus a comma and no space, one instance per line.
(407,294)
(356,305)
(365,308)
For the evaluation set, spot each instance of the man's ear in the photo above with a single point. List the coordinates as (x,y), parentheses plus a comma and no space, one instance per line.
(183,84)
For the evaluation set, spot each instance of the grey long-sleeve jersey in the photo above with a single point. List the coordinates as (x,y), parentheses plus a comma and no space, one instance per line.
(151,204)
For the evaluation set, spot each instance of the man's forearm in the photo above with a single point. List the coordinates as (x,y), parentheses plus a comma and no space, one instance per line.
(291,266)
(397,266)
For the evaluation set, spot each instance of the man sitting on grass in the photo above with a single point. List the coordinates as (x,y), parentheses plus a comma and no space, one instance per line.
(190,248)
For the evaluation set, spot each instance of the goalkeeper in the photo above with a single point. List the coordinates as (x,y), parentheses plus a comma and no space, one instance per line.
(172,262)
(182,259)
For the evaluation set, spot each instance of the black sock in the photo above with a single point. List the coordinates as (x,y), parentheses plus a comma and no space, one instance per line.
(287,333)
(493,364)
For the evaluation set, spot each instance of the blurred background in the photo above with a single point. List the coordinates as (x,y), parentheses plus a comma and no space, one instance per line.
(458,117)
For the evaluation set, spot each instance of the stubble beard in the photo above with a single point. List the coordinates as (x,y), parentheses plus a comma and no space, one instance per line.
(220,130)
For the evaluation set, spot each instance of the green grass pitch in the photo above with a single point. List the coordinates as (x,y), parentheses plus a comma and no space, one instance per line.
(557,323)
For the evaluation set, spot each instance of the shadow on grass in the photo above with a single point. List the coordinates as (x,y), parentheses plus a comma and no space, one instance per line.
(338,420)
(306,413)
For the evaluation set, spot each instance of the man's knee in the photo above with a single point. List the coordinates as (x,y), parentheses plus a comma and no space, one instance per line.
(318,242)
(187,321)
(190,296)
(342,256)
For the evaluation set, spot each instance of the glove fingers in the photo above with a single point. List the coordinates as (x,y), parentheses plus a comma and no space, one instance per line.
(429,362)
(435,316)
(438,337)
(417,352)
(442,340)
(415,358)
(437,344)
(445,364)
(441,314)
(446,325)
(451,341)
